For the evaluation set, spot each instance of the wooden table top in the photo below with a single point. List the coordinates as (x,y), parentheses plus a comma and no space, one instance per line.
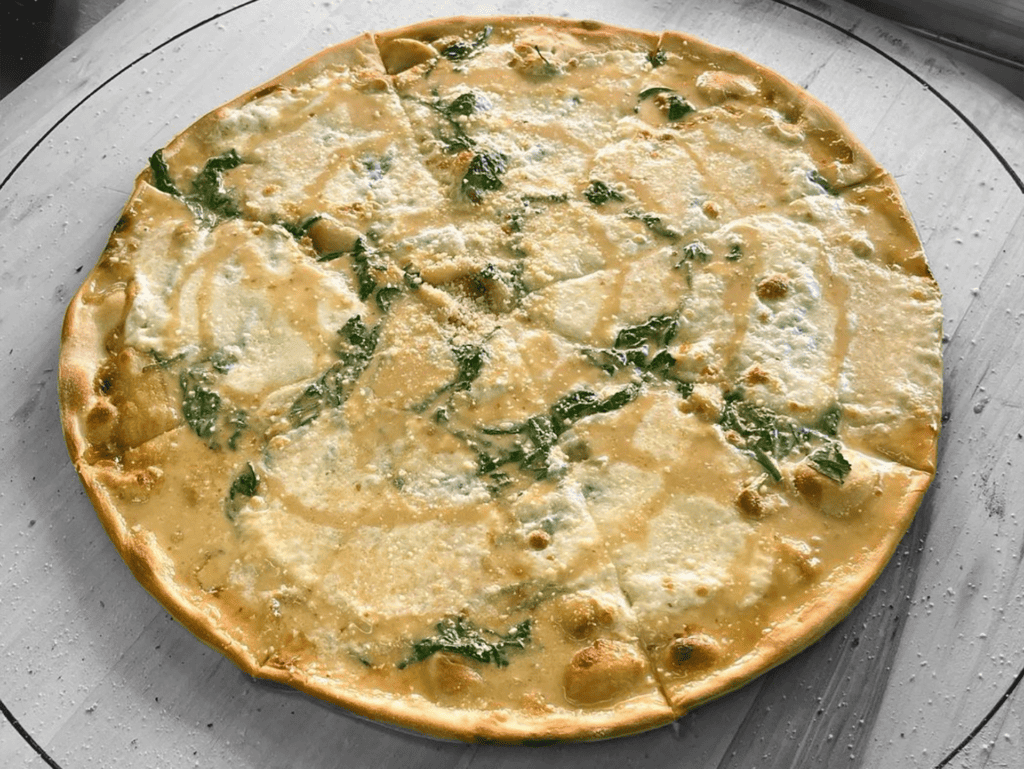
(924,672)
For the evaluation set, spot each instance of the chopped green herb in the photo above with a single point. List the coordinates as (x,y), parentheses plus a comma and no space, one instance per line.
(470,359)
(464,49)
(412,278)
(553,197)
(239,421)
(484,174)
(674,105)
(659,329)
(456,142)
(774,434)
(454,139)
(162,361)
(465,104)
(200,405)
(298,231)
(386,296)
(221,361)
(816,178)
(830,462)
(696,252)
(208,200)
(583,403)
(829,421)
(208,187)
(162,175)
(735,252)
(662,364)
(329,390)
(367,263)
(678,107)
(767,462)
(244,485)
(335,384)
(647,93)
(599,193)
(642,349)
(536,437)
(657,58)
(770,436)
(364,260)
(459,636)
(361,340)
(654,224)
(375,166)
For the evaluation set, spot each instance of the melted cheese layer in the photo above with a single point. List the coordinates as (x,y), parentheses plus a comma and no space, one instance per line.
(531,372)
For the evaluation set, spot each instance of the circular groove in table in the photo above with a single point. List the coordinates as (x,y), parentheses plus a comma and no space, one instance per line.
(849,33)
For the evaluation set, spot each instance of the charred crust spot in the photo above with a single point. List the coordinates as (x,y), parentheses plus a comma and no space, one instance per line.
(538,540)
(800,555)
(773,287)
(756,375)
(99,422)
(265,91)
(602,671)
(808,483)
(581,616)
(751,505)
(105,382)
(450,676)
(693,652)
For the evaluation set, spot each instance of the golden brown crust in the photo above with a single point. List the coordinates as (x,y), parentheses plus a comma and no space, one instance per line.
(109,432)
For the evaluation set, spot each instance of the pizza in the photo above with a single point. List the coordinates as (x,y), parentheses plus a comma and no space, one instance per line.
(510,379)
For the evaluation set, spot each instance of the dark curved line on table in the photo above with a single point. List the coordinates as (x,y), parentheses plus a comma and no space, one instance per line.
(27,737)
(849,33)
(3,708)
(931,89)
(1020,185)
(981,725)
(113,77)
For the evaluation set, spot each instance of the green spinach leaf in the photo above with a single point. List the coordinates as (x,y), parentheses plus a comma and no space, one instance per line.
(660,329)
(208,186)
(245,484)
(599,193)
(770,437)
(299,230)
(161,174)
(459,636)
(654,224)
(464,49)
(334,386)
(830,462)
(816,178)
(484,174)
